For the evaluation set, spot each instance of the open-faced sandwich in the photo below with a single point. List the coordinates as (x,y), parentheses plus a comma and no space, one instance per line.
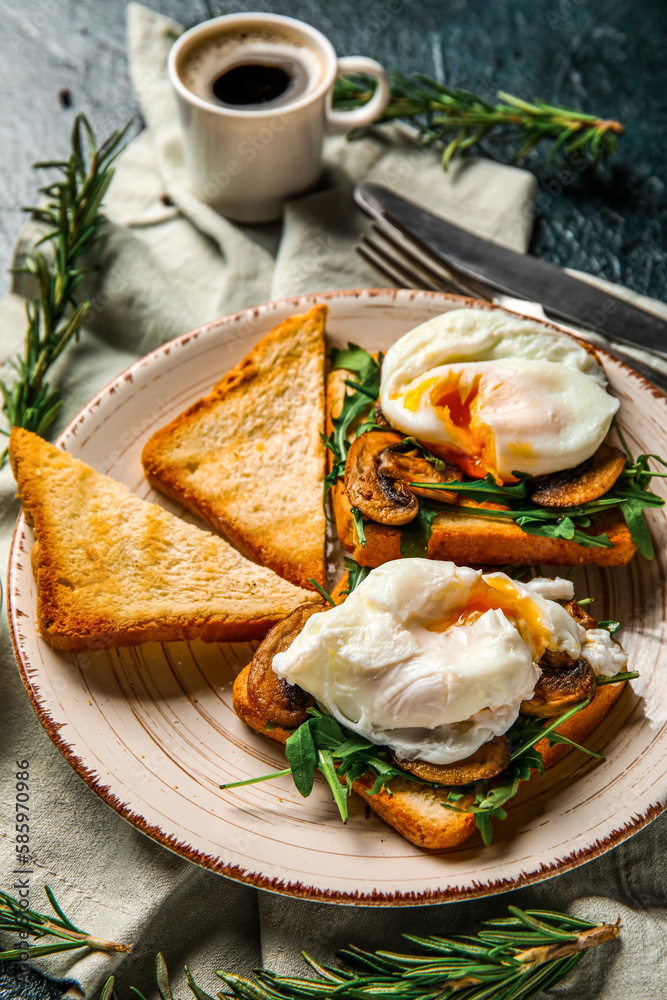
(483,438)
(432,690)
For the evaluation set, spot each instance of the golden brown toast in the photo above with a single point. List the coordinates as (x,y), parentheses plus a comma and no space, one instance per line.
(471,540)
(416,811)
(248,457)
(114,570)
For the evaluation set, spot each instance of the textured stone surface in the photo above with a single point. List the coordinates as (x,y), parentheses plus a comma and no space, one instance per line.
(599,55)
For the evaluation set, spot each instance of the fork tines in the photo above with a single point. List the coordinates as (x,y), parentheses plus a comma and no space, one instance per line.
(405,264)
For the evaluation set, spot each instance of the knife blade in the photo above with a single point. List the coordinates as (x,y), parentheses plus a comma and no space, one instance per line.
(517,274)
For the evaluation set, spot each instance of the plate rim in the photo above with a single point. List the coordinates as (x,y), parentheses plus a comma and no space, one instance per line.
(297,889)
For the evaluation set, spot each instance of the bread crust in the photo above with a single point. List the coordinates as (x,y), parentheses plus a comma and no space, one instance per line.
(268,375)
(471,540)
(417,811)
(101,553)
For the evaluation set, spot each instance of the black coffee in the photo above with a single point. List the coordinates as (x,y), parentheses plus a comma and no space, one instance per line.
(252,69)
(251,83)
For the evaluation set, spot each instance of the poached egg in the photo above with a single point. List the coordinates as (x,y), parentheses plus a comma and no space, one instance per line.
(495,393)
(433,659)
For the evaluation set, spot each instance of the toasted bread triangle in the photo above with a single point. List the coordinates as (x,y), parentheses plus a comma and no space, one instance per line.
(115,570)
(248,458)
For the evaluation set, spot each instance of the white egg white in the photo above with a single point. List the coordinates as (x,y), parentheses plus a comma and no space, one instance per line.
(539,399)
(382,667)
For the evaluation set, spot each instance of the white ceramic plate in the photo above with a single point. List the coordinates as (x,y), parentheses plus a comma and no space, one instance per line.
(152,731)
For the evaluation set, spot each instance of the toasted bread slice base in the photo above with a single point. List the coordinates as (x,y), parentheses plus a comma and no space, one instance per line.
(114,570)
(471,540)
(417,811)
(248,457)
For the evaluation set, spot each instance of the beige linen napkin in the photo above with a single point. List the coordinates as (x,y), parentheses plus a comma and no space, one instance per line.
(166,264)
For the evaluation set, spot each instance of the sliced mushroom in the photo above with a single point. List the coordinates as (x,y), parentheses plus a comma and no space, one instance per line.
(407,466)
(372,493)
(560,689)
(491,758)
(580,615)
(379,417)
(281,703)
(557,658)
(585,482)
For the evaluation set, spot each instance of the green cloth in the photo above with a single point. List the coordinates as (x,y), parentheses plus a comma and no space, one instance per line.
(166,264)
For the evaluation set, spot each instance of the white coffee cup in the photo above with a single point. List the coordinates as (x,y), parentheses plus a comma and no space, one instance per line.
(246,161)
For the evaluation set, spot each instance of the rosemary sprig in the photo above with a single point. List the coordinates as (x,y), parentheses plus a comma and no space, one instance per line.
(511,958)
(461,119)
(24,922)
(72,211)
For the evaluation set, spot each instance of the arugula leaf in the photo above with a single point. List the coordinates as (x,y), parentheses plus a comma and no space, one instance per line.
(416,534)
(438,463)
(356,574)
(341,755)
(491,795)
(543,731)
(364,393)
(322,592)
(486,488)
(359,525)
(628,675)
(489,802)
(341,792)
(632,511)
(557,738)
(632,496)
(629,494)
(563,528)
(302,758)
(354,359)
(485,826)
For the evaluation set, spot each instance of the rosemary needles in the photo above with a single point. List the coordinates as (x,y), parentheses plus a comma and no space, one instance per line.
(461,119)
(25,923)
(72,211)
(511,958)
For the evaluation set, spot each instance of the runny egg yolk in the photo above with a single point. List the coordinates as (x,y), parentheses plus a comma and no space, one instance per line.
(471,444)
(499,595)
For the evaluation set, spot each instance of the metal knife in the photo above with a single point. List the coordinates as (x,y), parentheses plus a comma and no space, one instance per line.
(515,274)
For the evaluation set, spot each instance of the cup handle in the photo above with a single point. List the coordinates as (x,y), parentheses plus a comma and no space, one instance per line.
(343,121)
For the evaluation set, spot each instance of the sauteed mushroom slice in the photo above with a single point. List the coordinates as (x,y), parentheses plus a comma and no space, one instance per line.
(379,417)
(584,482)
(560,689)
(491,758)
(406,466)
(580,615)
(377,497)
(281,703)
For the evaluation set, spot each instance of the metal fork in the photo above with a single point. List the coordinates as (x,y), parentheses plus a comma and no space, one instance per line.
(406,265)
